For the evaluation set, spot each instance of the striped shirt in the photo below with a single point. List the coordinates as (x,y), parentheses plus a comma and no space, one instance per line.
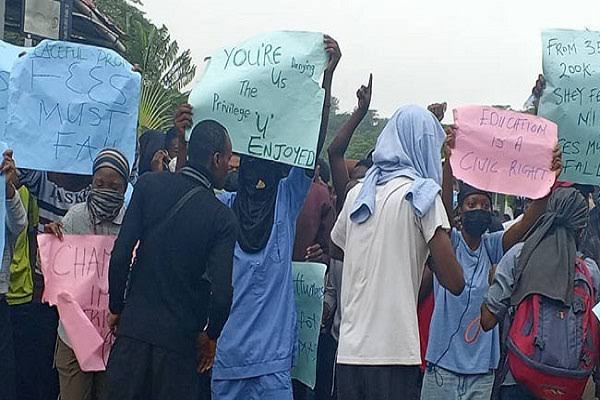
(53,201)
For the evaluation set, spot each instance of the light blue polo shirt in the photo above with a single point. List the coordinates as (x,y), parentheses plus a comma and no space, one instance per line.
(470,350)
(260,336)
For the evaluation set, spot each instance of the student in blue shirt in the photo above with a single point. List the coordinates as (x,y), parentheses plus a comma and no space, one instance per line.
(256,350)
(461,358)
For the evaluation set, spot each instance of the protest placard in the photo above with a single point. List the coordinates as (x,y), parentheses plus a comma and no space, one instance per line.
(266,92)
(571,63)
(309,290)
(504,151)
(8,55)
(67,102)
(76,281)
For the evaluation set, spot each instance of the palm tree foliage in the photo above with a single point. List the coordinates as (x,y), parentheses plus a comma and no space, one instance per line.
(166,69)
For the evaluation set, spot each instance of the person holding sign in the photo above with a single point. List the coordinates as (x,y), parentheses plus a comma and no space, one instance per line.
(15,222)
(256,350)
(458,352)
(387,228)
(170,306)
(101,214)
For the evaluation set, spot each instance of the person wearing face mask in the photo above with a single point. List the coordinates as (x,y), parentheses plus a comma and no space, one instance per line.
(101,214)
(461,359)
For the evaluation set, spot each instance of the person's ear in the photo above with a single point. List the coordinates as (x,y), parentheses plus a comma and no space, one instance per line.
(216,161)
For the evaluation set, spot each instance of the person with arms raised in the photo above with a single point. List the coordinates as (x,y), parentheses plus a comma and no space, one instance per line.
(15,222)
(256,350)
(389,225)
(460,358)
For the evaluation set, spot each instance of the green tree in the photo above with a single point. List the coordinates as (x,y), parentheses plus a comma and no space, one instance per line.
(365,135)
(166,70)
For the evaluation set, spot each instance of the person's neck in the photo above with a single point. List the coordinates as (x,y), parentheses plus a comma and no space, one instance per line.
(204,170)
(472,241)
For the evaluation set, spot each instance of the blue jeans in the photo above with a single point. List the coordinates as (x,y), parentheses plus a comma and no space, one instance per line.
(441,384)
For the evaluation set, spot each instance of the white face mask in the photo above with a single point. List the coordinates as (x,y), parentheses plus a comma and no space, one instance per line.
(173,164)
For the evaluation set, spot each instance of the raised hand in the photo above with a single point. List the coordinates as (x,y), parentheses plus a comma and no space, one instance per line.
(183,119)
(450,141)
(557,164)
(9,170)
(438,109)
(333,50)
(364,96)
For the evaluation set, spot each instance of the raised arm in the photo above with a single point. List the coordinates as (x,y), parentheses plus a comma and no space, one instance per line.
(16,217)
(337,148)
(333,51)
(516,232)
(183,121)
(439,109)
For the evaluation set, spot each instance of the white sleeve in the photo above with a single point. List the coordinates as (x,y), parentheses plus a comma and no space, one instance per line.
(435,218)
(338,233)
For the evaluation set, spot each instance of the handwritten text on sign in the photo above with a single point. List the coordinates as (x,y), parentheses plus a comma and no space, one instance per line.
(8,55)
(309,284)
(77,268)
(504,151)
(571,64)
(266,93)
(69,101)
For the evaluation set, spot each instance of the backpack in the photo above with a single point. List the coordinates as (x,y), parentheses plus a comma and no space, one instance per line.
(552,349)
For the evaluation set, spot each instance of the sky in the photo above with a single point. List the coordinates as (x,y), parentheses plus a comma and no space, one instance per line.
(420,51)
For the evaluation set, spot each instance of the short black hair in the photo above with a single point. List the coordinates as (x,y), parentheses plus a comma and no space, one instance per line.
(324,171)
(207,138)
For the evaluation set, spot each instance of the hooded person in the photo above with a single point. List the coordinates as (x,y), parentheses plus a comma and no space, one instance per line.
(258,339)
(387,228)
(101,214)
(543,264)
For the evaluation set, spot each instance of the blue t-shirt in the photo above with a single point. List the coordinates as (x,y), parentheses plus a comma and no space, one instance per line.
(260,336)
(471,350)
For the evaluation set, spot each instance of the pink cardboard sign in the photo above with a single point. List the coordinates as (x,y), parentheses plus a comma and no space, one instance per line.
(504,151)
(76,279)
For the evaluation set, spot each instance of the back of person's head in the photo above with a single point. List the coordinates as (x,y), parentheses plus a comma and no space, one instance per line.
(570,210)
(324,171)
(209,147)
(412,141)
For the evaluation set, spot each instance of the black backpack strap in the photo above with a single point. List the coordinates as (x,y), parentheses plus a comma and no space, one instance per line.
(175,210)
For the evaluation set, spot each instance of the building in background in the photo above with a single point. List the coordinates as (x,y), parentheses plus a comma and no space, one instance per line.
(72,20)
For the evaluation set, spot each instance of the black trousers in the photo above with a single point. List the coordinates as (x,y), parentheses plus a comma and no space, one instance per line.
(141,371)
(358,382)
(7,354)
(34,335)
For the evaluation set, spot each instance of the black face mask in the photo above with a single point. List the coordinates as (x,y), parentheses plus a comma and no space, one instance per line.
(476,222)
